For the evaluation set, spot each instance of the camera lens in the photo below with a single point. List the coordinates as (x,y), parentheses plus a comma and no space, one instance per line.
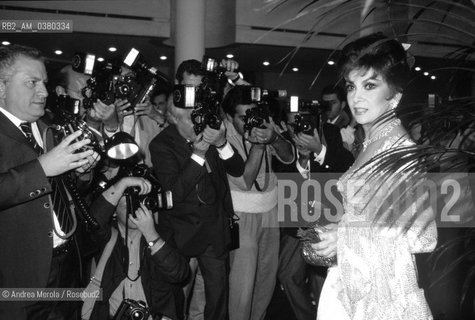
(124,90)
(150,202)
(137,314)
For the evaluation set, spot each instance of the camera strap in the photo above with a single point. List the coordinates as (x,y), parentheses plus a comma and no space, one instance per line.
(266,163)
(125,265)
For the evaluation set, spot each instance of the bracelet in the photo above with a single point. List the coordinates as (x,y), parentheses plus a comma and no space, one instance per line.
(222,145)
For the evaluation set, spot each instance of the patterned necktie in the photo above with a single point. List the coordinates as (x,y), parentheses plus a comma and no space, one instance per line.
(59,191)
(26,128)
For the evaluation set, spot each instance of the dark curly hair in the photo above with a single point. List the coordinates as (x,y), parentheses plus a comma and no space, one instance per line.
(191,66)
(385,56)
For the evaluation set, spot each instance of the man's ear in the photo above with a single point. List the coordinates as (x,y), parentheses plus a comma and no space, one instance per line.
(343,105)
(60,90)
(228,116)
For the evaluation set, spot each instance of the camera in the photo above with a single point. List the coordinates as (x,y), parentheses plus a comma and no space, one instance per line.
(67,120)
(205,104)
(140,82)
(255,117)
(155,200)
(308,114)
(107,83)
(132,310)
(103,77)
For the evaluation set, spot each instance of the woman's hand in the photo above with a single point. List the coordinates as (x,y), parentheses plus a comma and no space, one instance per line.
(327,247)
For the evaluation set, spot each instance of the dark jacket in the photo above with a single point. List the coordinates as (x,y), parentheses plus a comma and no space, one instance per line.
(161,274)
(202,200)
(337,160)
(26,242)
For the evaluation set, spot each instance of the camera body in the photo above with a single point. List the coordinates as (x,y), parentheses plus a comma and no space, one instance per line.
(104,76)
(132,310)
(67,121)
(107,82)
(305,123)
(257,116)
(141,81)
(156,199)
(205,103)
(307,114)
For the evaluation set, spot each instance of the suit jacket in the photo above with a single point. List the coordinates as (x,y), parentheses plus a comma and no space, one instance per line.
(26,243)
(342,121)
(202,200)
(161,274)
(337,160)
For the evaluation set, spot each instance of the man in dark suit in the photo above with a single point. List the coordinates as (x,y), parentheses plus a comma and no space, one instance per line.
(334,99)
(194,168)
(321,157)
(32,255)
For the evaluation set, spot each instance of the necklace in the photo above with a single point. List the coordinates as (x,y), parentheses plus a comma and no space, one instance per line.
(381,133)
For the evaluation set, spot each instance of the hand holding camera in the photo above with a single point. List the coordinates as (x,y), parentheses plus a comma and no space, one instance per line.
(265,134)
(113,194)
(64,156)
(123,109)
(308,142)
(200,146)
(143,219)
(92,161)
(215,137)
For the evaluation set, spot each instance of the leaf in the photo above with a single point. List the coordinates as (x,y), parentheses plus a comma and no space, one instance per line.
(367,5)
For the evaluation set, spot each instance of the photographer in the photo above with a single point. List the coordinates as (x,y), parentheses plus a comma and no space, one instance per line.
(191,72)
(334,98)
(36,220)
(143,121)
(254,263)
(101,116)
(145,267)
(321,158)
(159,100)
(194,167)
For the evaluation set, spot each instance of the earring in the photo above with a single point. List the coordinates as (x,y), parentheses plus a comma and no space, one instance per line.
(395,101)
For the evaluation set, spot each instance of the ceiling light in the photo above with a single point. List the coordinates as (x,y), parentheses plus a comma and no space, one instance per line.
(100,59)
(331,62)
(58,52)
(417,68)
(230,56)
(295,69)
(112,49)
(426,73)
(163,58)
(266,63)
(433,77)
(5,43)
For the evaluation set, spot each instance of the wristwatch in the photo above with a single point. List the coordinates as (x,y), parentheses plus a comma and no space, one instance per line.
(152,243)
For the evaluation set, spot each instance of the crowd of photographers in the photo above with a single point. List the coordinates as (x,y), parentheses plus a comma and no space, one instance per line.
(173,188)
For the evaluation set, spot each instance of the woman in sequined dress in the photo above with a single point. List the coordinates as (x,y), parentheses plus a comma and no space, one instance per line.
(375,276)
